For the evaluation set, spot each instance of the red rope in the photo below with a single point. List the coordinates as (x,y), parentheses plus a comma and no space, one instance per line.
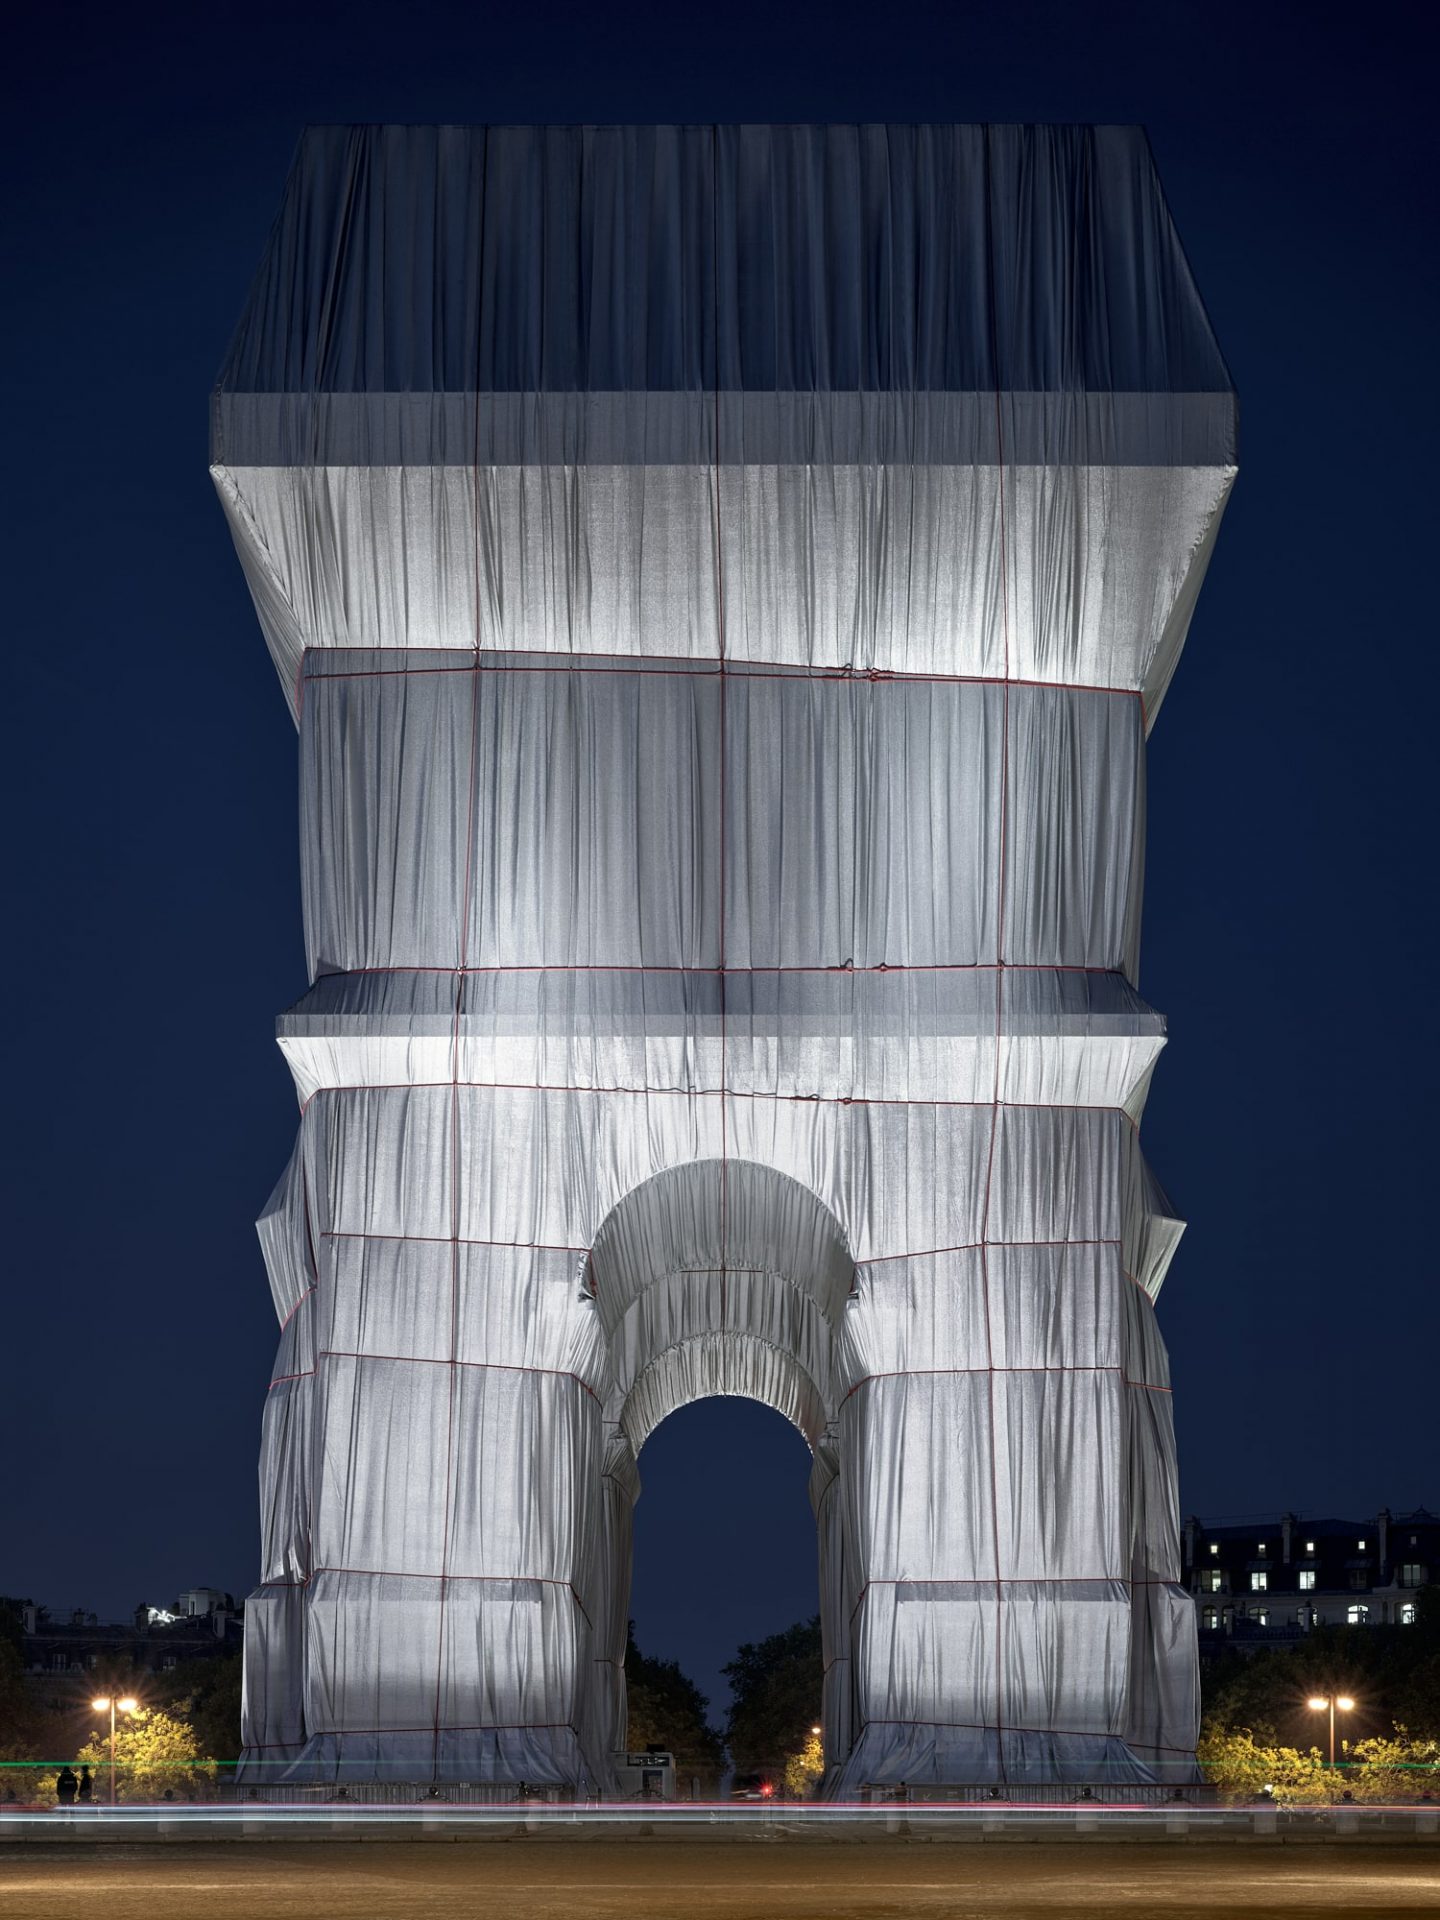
(724,706)
(698,667)
(312,1261)
(1025,1580)
(429,1360)
(629,966)
(999,978)
(910,1373)
(446,1240)
(710,1093)
(462,959)
(973,1246)
(306,1295)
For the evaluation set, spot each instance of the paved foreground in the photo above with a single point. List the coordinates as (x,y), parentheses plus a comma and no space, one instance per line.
(666,1880)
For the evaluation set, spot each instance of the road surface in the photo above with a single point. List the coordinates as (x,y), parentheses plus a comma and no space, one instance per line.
(664,1880)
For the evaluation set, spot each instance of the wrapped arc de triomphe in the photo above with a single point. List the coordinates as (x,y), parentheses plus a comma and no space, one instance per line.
(724,578)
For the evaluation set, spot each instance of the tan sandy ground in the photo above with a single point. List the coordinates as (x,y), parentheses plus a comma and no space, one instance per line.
(659,1880)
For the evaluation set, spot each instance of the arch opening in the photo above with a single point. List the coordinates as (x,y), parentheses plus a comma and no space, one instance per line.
(715,1279)
(724,1549)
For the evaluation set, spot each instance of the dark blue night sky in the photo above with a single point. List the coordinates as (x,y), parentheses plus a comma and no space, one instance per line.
(154,930)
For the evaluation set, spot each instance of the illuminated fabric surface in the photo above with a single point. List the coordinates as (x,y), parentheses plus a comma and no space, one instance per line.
(724,578)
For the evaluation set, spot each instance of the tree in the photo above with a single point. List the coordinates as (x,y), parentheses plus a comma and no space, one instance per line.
(154,1754)
(22,1723)
(664,1708)
(806,1769)
(776,1684)
(29,1732)
(12,1621)
(1393,1768)
(1244,1768)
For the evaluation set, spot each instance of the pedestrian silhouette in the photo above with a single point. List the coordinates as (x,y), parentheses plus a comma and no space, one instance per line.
(86,1788)
(66,1787)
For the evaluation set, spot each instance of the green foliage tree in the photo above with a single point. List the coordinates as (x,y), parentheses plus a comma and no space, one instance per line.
(806,1769)
(664,1708)
(776,1684)
(155,1753)
(1244,1768)
(1394,1768)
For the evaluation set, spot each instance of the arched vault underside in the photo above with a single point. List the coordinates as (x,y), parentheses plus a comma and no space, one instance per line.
(718,1277)
(724,579)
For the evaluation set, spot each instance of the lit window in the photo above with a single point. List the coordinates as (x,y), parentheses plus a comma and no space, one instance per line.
(1214,1546)
(1262,1616)
(1261,1547)
(1412,1574)
(1407,1614)
(1210,1618)
(1361,1545)
(1309,1546)
(1357,1616)
(1259,1582)
(1307,1579)
(1212,1580)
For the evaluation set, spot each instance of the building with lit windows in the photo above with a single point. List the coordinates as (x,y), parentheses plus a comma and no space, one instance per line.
(61,1649)
(1263,1581)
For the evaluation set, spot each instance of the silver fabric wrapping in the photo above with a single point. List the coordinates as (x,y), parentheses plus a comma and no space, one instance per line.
(724,578)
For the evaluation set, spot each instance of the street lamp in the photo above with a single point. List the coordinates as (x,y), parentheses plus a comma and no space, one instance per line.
(1331,1700)
(127,1706)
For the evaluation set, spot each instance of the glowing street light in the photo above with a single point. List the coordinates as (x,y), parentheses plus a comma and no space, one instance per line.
(1332,1701)
(125,1706)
